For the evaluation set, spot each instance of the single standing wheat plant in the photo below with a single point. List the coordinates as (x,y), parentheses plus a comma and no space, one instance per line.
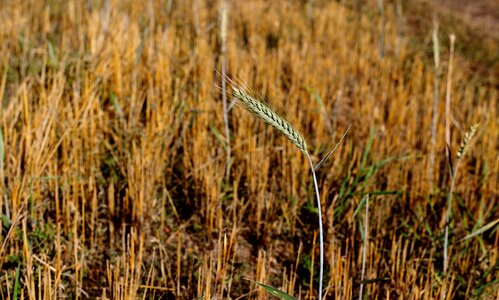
(265,113)
(463,148)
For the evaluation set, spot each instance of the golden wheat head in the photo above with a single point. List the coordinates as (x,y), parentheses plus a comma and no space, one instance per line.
(269,116)
(468,138)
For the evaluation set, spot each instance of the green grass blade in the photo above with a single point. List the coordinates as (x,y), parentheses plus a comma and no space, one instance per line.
(316,96)
(369,144)
(481,230)
(384,192)
(2,148)
(361,204)
(5,221)
(51,52)
(2,177)
(273,291)
(218,136)
(117,107)
(17,283)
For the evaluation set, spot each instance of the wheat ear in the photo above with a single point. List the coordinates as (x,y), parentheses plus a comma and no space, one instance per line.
(269,116)
(468,139)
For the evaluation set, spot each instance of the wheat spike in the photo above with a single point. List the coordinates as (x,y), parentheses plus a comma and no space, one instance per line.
(468,138)
(269,116)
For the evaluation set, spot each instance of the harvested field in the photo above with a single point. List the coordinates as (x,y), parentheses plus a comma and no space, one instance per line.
(118,180)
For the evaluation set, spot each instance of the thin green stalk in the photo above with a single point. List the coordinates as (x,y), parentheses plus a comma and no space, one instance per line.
(465,144)
(447,216)
(364,250)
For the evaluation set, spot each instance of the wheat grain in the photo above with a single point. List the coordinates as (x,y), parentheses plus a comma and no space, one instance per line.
(269,116)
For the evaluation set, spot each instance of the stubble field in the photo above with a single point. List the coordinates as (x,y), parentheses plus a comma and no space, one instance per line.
(113,151)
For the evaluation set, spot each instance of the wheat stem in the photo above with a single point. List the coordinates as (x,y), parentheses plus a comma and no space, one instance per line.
(321,235)
(468,138)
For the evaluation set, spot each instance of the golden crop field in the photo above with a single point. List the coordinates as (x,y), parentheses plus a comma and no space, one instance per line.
(130,168)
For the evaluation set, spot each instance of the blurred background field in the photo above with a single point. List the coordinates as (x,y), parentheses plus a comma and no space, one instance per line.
(113,151)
